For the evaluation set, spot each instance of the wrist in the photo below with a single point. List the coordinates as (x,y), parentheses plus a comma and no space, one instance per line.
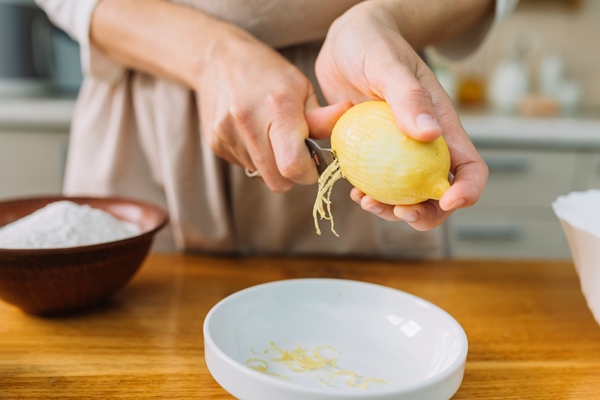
(224,46)
(424,23)
(159,37)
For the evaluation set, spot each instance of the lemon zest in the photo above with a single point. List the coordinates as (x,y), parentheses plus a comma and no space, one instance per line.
(260,365)
(363,384)
(300,360)
(353,377)
(322,207)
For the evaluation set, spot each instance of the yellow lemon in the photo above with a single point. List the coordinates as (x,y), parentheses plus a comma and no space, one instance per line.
(381,161)
(384,163)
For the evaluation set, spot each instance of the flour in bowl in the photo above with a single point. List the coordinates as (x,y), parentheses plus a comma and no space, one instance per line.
(64,224)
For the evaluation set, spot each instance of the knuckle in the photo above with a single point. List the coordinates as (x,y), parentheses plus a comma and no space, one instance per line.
(243,118)
(275,96)
(278,97)
(485,170)
(430,221)
(290,169)
(417,94)
(281,187)
(261,160)
(241,114)
(214,142)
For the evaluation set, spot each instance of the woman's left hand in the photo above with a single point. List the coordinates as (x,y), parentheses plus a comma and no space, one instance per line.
(365,57)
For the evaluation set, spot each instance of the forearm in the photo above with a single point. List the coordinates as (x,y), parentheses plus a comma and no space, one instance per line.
(159,37)
(424,23)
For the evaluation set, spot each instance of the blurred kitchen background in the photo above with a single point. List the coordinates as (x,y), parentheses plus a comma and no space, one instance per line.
(529,99)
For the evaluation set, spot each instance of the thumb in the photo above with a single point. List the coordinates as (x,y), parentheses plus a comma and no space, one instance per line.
(413,107)
(321,120)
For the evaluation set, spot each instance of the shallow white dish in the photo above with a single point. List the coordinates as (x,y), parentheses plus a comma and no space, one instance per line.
(415,346)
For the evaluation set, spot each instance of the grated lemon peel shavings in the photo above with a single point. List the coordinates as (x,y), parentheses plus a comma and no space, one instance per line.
(301,361)
(262,366)
(322,207)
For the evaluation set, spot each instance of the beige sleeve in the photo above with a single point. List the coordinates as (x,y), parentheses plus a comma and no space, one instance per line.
(74,17)
(465,44)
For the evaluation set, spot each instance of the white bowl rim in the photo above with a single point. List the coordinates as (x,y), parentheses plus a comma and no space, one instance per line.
(557,204)
(450,370)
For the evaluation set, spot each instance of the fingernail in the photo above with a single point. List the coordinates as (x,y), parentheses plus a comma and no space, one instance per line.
(375,208)
(411,216)
(426,122)
(458,204)
(357,197)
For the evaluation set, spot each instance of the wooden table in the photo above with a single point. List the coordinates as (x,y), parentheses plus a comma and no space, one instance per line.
(530,333)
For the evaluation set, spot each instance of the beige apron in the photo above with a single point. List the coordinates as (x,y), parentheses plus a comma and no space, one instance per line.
(139,136)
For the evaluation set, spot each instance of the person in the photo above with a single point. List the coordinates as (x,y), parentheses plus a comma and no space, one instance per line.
(182,99)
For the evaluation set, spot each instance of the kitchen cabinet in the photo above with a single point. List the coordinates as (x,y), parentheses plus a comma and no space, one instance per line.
(594,171)
(530,165)
(33,145)
(31,163)
(514,217)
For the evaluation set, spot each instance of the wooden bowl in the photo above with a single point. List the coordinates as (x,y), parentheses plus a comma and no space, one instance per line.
(72,279)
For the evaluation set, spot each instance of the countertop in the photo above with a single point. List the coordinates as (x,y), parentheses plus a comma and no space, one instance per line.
(530,333)
(484,128)
(39,114)
(493,130)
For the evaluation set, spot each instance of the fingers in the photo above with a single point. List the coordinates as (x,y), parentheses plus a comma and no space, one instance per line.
(321,120)
(291,125)
(282,157)
(469,170)
(467,187)
(384,211)
(271,139)
(420,105)
(222,140)
(240,136)
(470,175)
(412,105)
(422,217)
(288,133)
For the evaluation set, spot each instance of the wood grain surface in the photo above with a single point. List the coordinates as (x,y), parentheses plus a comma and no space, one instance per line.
(530,333)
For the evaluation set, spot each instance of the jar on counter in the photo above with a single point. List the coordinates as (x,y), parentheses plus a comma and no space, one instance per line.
(471,91)
(509,84)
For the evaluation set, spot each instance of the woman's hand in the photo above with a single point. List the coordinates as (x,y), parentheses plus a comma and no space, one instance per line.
(254,106)
(365,57)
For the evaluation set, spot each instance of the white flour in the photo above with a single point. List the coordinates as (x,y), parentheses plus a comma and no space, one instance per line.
(64,224)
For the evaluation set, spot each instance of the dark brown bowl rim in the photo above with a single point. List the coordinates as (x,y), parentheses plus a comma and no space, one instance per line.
(162,214)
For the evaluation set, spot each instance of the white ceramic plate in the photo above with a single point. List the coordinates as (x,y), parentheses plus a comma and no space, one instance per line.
(417,348)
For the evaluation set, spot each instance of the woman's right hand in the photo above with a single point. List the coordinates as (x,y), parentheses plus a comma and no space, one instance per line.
(255,107)
(255,110)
